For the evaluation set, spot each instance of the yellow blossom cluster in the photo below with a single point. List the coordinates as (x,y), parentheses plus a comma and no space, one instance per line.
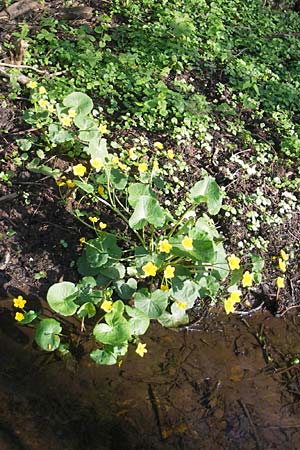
(19,302)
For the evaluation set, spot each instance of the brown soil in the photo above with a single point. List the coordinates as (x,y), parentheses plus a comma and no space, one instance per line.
(233,385)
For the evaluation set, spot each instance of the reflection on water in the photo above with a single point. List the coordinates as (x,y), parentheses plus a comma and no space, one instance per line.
(233,385)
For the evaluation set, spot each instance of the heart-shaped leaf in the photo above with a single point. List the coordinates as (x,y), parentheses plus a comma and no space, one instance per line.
(79,101)
(46,334)
(61,298)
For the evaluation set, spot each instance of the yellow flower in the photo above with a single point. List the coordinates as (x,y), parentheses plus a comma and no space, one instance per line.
(169,272)
(107,305)
(149,269)
(155,165)
(280,282)
(141,349)
(32,84)
(19,316)
(165,246)
(170,154)
(70,184)
(142,167)
(82,241)
(66,121)
(131,154)
(115,160)
(79,170)
(72,113)
(234,262)
(122,166)
(164,287)
(235,296)
(187,243)
(282,265)
(42,90)
(101,190)
(181,305)
(50,108)
(102,225)
(103,128)
(247,279)
(158,145)
(97,164)
(43,103)
(229,305)
(93,219)
(283,255)
(60,183)
(19,302)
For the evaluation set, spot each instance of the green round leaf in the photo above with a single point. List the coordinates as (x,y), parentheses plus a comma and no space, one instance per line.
(46,334)
(61,298)
(82,103)
(153,305)
(112,335)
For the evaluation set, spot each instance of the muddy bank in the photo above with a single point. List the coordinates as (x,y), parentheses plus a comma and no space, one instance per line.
(233,384)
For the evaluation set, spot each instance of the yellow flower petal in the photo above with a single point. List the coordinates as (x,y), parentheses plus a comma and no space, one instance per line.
(66,121)
(165,246)
(158,145)
(43,103)
(79,170)
(142,167)
(93,219)
(19,316)
(101,190)
(72,113)
(102,225)
(42,90)
(164,287)
(19,302)
(169,272)
(107,305)
(141,349)
(234,262)
(82,241)
(181,305)
(282,265)
(31,84)
(70,184)
(155,165)
(187,243)
(97,164)
(229,306)
(149,269)
(284,256)
(103,128)
(280,282)
(235,296)
(247,279)
(170,154)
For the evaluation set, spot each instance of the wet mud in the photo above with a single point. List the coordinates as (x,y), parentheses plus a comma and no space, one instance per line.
(230,383)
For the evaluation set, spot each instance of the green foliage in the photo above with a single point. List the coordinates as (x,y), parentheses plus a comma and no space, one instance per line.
(206,74)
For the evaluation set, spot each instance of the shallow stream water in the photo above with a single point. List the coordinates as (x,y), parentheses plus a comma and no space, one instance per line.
(227,383)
